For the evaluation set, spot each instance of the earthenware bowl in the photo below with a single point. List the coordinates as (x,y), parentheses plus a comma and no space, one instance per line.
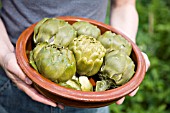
(72,97)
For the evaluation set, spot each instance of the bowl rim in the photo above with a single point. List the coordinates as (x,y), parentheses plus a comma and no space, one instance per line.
(112,94)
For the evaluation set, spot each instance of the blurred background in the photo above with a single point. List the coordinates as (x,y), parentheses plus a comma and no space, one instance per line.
(153,38)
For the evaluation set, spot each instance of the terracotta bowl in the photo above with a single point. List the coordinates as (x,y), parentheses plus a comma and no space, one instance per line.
(72,97)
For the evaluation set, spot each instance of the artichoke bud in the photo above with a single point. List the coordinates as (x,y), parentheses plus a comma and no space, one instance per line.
(113,42)
(88,53)
(85,28)
(54,31)
(118,66)
(56,64)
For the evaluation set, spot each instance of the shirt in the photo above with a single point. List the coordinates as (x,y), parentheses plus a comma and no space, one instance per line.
(17,15)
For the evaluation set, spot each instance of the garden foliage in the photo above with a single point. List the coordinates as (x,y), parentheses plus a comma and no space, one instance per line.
(153,38)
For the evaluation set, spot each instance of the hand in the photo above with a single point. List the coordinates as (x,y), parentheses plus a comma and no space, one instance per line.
(13,71)
(147,62)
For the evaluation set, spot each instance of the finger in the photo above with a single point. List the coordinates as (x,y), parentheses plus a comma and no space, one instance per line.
(146,60)
(120,101)
(133,93)
(12,66)
(61,106)
(31,92)
(14,69)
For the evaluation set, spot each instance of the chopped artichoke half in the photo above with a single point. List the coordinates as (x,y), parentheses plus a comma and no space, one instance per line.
(102,86)
(80,83)
(85,84)
(73,84)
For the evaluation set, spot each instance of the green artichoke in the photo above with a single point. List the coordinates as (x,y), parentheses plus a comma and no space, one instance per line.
(111,42)
(54,31)
(88,53)
(117,66)
(56,64)
(85,28)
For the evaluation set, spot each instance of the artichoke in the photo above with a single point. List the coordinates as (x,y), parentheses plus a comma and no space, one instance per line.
(112,42)
(85,28)
(118,66)
(54,31)
(56,64)
(88,53)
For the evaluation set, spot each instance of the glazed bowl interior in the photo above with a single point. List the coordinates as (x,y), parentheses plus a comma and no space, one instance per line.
(72,97)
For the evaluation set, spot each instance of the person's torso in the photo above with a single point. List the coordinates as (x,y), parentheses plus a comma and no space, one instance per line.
(20,14)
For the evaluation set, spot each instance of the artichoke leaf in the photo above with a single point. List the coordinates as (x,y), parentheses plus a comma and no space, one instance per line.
(85,84)
(101,86)
(31,61)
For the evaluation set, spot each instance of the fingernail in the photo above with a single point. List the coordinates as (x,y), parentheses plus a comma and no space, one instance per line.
(53,105)
(120,101)
(61,106)
(28,81)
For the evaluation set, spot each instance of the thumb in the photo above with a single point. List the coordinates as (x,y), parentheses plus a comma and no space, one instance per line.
(146,60)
